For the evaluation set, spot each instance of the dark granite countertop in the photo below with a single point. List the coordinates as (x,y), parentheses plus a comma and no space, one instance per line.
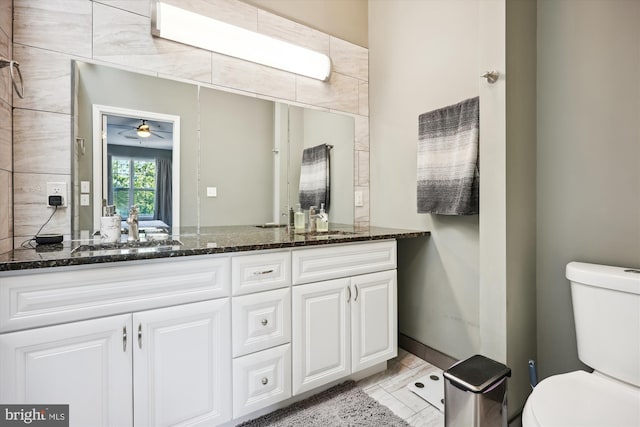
(190,241)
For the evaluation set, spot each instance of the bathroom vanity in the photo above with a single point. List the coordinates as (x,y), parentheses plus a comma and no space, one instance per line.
(204,330)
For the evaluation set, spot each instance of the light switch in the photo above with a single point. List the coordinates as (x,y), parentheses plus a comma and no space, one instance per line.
(212,192)
(358,199)
(84,187)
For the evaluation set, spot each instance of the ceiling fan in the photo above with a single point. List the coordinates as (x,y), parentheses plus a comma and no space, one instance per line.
(143,130)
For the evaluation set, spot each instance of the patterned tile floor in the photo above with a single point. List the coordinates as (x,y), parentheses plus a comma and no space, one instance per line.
(390,389)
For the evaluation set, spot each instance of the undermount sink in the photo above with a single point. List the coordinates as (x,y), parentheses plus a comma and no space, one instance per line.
(330,233)
(131,247)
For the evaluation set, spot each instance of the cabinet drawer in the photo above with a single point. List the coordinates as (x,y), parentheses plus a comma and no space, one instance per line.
(261,379)
(261,321)
(332,262)
(56,295)
(260,272)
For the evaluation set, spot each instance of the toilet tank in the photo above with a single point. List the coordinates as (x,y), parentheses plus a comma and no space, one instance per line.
(606,309)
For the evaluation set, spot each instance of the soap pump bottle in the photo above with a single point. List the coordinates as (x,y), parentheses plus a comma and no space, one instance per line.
(298,219)
(322,220)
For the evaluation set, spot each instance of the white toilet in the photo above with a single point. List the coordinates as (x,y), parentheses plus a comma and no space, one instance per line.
(606,308)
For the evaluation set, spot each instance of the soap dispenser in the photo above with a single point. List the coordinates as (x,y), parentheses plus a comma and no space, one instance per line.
(298,219)
(322,220)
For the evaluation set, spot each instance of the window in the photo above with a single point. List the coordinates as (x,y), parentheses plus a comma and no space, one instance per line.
(134,183)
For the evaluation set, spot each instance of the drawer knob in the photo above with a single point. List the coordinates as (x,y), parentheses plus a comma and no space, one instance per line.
(265,381)
(264,322)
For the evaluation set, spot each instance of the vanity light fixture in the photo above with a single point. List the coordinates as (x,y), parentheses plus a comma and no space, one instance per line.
(173,23)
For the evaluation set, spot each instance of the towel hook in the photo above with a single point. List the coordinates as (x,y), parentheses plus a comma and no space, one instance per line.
(491,76)
(13,65)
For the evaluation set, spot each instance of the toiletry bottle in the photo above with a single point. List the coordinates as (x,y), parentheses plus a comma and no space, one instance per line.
(298,218)
(312,219)
(322,220)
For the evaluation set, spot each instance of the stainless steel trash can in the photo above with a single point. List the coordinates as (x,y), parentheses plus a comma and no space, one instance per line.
(475,393)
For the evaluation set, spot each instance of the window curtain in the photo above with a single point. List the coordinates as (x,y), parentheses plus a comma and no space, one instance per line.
(164,201)
(109,180)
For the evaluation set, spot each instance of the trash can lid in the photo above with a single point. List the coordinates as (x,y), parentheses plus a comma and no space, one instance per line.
(477,373)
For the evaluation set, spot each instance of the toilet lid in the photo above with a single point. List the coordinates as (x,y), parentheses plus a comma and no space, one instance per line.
(582,399)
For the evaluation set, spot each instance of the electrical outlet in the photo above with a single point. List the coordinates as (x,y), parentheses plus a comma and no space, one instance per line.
(85,187)
(212,191)
(57,194)
(84,200)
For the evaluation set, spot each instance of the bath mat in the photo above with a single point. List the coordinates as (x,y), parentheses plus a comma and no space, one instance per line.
(430,388)
(342,405)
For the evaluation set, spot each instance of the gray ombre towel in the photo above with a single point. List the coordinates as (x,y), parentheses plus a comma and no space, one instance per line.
(314,177)
(448,169)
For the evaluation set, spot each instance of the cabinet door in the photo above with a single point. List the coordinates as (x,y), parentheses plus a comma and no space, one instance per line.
(84,364)
(373,319)
(321,339)
(182,365)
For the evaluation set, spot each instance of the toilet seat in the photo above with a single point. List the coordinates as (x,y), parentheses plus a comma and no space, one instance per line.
(582,399)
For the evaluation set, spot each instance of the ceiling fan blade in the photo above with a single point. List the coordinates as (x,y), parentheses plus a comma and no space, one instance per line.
(157,134)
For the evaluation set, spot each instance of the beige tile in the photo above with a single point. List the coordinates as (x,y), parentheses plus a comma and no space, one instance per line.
(124,38)
(239,74)
(141,7)
(363,167)
(6,14)
(386,399)
(361,133)
(41,142)
(30,208)
(6,223)
(428,417)
(5,76)
(410,360)
(48,75)
(339,93)
(60,25)
(394,368)
(6,245)
(292,32)
(232,12)
(6,155)
(363,98)
(350,59)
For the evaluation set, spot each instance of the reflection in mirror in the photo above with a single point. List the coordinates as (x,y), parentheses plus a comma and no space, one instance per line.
(239,156)
(137,166)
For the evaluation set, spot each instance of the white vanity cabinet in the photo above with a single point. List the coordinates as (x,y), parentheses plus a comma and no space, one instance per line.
(198,340)
(164,366)
(344,325)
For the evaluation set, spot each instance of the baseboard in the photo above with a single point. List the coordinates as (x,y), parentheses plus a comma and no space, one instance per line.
(426,353)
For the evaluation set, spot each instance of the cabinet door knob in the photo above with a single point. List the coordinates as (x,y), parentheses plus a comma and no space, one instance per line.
(140,335)
(264,322)
(348,293)
(356,297)
(265,381)
(124,339)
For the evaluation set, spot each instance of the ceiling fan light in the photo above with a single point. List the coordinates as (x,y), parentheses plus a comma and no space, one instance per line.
(143,131)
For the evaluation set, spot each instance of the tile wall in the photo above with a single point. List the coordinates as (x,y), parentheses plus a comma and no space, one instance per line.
(6,132)
(49,34)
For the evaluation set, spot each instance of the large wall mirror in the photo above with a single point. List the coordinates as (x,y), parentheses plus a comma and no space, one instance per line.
(212,158)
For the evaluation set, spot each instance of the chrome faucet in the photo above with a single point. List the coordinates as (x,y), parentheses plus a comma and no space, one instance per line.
(133,223)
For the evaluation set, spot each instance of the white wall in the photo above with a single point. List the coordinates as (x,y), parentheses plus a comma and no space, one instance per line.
(588,155)
(423,56)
